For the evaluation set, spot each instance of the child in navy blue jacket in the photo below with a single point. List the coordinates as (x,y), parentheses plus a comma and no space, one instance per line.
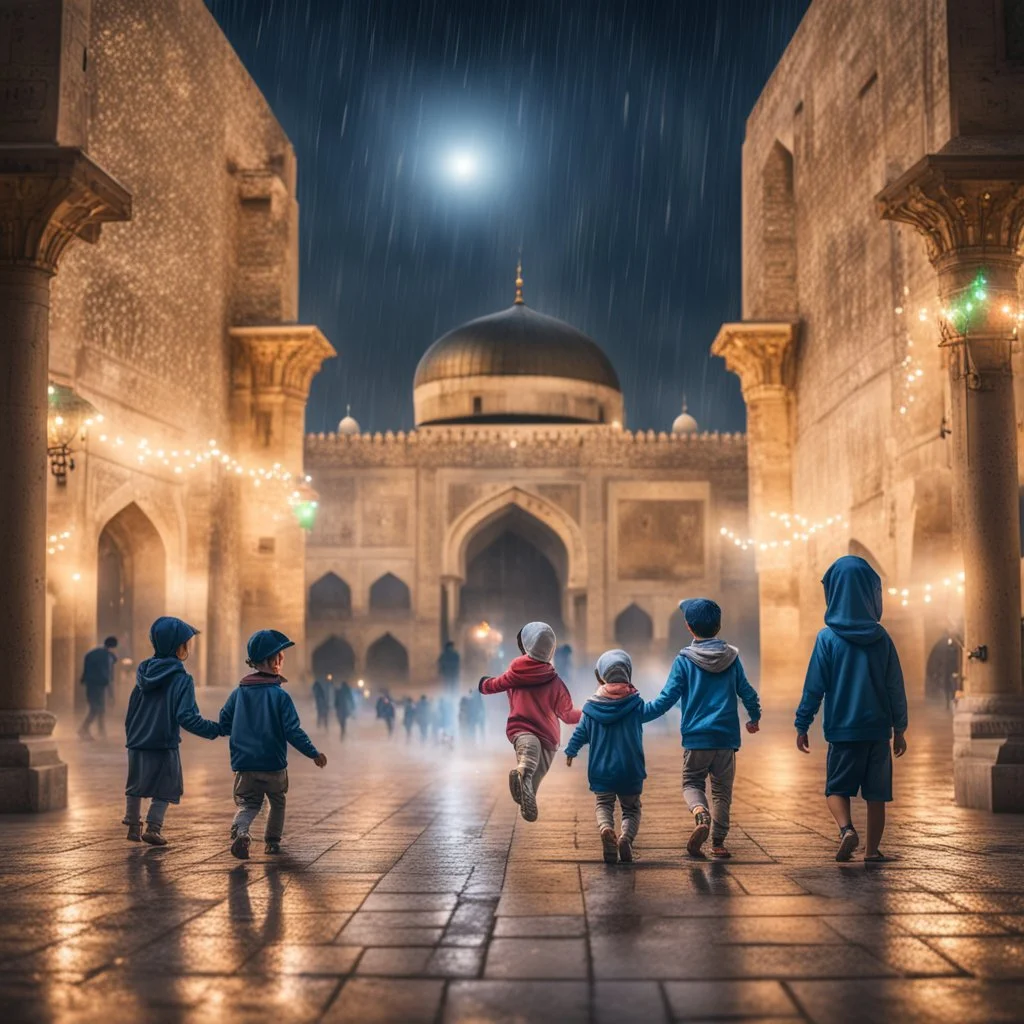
(612,723)
(707,680)
(261,720)
(162,703)
(855,668)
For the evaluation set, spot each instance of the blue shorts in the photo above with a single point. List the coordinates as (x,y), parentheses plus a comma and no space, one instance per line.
(865,766)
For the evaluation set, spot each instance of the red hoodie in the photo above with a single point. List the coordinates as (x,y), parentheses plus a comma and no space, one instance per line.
(537,699)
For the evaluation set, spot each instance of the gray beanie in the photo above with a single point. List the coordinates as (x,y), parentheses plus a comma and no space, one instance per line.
(538,640)
(615,667)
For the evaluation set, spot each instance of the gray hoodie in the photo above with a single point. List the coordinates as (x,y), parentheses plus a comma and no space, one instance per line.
(712,655)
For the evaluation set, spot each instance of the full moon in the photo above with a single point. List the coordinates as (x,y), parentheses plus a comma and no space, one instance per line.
(463,166)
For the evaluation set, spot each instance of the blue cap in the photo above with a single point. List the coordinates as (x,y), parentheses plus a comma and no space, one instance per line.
(167,634)
(265,643)
(702,615)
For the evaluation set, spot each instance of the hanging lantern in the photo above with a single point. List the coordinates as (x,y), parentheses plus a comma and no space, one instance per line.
(304,503)
(67,418)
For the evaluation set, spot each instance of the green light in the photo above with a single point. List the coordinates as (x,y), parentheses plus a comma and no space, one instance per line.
(969,306)
(979,295)
(305,514)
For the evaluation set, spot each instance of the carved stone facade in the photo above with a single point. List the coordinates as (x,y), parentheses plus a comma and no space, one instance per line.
(626,520)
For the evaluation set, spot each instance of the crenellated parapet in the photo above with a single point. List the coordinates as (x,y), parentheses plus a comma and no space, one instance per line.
(499,447)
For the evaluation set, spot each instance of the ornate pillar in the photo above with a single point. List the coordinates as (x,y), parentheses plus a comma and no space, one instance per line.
(273,367)
(760,353)
(970,211)
(49,196)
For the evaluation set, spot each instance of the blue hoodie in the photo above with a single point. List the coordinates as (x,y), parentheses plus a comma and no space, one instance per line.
(614,730)
(261,720)
(854,665)
(707,679)
(163,698)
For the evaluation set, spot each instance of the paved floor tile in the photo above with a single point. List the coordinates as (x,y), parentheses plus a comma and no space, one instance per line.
(696,1000)
(515,1002)
(536,958)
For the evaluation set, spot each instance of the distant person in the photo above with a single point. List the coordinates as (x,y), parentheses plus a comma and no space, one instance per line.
(386,712)
(612,724)
(448,668)
(942,674)
(344,706)
(465,724)
(537,700)
(423,716)
(855,668)
(261,719)
(97,676)
(322,698)
(408,717)
(707,681)
(563,664)
(477,714)
(162,702)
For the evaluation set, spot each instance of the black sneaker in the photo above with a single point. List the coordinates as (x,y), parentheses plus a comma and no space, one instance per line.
(515,785)
(272,846)
(153,835)
(134,833)
(848,842)
(240,847)
(625,849)
(609,846)
(528,801)
(700,833)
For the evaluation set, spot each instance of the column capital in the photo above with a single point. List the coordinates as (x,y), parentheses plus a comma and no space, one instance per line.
(278,358)
(50,196)
(959,203)
(759,352)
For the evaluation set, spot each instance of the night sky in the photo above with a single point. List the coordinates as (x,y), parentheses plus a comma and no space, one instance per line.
(437,139)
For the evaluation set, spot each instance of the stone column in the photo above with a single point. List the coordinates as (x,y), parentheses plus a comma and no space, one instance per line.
(760,353)
(273,367)
(970,211)
(49,196)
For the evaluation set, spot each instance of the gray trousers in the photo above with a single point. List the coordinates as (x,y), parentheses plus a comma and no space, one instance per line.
(249,790)
(721,766)
(133,811)
(631,808)
(534,759)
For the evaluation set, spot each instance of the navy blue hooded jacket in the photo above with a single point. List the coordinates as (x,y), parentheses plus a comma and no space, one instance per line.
(707,679)
(854,665)
(614,730)
(261,720)
(163,698)
(98,667)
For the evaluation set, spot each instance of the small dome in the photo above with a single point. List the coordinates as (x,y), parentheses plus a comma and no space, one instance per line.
(348,426)
(684,423)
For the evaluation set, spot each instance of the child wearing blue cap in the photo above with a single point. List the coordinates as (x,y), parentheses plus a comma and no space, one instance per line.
(855,668)
(707,680)
(612,723)
(261,720)
(162,703)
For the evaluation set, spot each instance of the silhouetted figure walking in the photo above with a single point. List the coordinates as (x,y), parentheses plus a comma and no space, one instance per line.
(97,675)
(386,711)
(344,705)
(423,716)
(322,699)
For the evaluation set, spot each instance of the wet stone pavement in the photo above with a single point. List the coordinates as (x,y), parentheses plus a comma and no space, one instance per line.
(410,890)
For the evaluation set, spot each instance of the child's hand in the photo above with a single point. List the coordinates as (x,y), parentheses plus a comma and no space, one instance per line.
(899,744)
(753,726)
(568,761)
(802,743)
(320,760)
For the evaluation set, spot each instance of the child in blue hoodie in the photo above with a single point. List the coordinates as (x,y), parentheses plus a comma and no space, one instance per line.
(162,700)
(707,680)
(261,720)
(855,668)
(612,723)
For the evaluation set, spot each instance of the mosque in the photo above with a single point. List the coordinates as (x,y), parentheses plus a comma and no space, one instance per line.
(520,495)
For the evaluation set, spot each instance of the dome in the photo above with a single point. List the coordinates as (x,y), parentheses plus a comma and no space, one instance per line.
(516,366)
(684,423)
(348,424)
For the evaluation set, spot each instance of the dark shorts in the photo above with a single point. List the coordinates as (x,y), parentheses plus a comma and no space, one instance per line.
(865,767)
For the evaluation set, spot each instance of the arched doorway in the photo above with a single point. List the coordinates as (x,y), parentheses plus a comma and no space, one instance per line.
(329,598)
(131,587)
(390,595)
(634,629)
(515,572)
(334,657)
(387,663)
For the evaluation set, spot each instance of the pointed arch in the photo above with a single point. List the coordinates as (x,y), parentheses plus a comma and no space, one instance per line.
(633,627)
(390,594)
(330,598)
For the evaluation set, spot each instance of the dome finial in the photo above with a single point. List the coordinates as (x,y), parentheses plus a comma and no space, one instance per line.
(520,301)
(684,401)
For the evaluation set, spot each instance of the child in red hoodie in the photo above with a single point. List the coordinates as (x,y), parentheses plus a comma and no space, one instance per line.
(537,699)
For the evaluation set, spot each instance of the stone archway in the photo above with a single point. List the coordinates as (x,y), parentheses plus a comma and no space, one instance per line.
(387,663)
(131,580)
(335,658)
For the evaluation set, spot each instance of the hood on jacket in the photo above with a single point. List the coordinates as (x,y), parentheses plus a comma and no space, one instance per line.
(607,711)
(613,691)
(853,593)
(537,639)
(156,672)
(711,655)
(261,678)
(614,666)
(529,671)
(167,634)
